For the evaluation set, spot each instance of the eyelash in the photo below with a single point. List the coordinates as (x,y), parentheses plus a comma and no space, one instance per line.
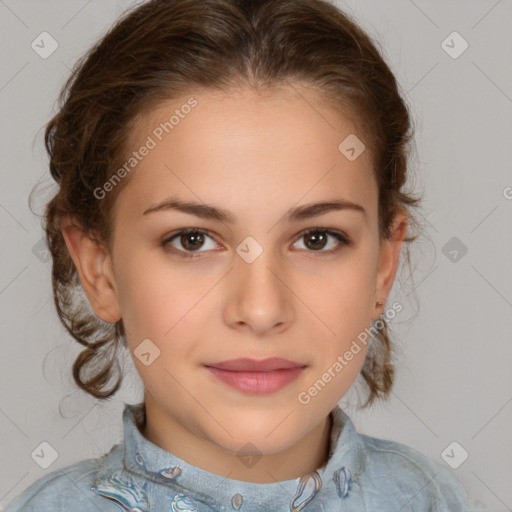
(341,237)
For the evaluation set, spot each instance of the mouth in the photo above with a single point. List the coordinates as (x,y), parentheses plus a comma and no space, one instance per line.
(256,376)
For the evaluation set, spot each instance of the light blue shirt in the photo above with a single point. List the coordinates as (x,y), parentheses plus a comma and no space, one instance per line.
(362,473)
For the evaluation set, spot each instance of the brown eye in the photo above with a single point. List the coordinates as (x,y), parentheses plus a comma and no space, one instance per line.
(317,239)
(188,241)
(192,241)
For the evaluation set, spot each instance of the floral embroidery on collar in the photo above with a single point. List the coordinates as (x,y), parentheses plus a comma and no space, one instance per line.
(170,472)
(181,503)
(124,493)
(342,479)
(309,485)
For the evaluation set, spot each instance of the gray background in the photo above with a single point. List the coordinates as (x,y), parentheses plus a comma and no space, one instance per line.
(454,350)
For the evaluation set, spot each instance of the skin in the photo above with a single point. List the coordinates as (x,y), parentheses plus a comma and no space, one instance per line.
(255,155)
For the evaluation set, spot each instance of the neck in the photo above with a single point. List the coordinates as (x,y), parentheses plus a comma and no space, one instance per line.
(308,454)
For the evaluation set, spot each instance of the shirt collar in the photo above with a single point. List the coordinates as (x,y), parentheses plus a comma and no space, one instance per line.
(150,461)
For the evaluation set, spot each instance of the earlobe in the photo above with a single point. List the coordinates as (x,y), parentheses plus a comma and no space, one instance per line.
(93,263)
(389,257)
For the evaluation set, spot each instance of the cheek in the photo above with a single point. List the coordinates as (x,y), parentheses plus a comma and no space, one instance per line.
(161,302)
(343,305)
(147,295)
(344,295)
(166,310)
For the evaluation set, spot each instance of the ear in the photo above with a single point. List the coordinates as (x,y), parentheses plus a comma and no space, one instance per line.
(94,265)
(389,258)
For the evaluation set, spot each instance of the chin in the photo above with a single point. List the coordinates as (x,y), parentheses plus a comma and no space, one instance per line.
(267,434)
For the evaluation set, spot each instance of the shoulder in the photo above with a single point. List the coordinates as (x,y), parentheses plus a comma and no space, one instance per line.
(406,473)
(68,488)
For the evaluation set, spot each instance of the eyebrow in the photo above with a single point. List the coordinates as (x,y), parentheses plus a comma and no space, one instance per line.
(205,211)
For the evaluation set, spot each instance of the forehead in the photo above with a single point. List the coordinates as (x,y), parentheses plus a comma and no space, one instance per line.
(281,145)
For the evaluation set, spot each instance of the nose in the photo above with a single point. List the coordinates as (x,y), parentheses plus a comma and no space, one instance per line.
(259,295)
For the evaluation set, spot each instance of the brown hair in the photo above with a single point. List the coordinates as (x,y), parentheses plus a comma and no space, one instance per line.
(164,48)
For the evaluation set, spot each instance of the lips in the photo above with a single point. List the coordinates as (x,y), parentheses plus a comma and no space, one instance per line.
(254,365)
(256,377)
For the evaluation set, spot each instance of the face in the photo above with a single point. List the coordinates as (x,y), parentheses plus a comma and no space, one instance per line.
(248,282)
